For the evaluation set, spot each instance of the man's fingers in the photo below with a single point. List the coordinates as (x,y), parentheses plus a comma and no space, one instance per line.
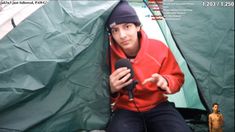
(168,90)
(156,76)
(126,83)
(148,80)
(119,78)
(120,73)
(125,78)
(119,70)
(160,81)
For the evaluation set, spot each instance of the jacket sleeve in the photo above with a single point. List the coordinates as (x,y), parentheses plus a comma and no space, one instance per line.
(171,71)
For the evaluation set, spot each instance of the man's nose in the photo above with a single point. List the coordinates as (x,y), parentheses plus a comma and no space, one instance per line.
(122,34)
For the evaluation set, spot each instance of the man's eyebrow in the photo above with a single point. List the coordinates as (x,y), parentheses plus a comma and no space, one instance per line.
(113,28)
(128,23)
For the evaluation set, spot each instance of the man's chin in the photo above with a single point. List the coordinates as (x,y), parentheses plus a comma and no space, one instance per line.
(126,48)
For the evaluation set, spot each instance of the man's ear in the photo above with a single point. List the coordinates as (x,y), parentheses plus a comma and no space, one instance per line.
(111,39)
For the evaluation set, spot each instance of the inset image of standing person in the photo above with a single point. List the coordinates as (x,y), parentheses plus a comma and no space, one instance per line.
(216,119)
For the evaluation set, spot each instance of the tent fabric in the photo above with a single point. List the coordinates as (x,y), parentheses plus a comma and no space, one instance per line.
(205,37)
(53,72)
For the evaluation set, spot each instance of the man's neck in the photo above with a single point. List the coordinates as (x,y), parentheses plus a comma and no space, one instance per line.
(132,54)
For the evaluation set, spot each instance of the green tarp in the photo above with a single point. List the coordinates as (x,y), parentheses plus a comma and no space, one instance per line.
(205,36)
(53,72)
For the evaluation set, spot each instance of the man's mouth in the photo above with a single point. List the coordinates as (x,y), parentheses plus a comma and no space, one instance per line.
(125,42)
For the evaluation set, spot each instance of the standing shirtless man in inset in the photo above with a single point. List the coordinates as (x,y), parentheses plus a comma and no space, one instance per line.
(216,119)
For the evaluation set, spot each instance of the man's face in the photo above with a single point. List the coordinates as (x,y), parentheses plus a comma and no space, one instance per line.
(126,36)
(215,108)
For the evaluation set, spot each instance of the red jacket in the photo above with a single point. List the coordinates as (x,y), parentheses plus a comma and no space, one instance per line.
(153,57)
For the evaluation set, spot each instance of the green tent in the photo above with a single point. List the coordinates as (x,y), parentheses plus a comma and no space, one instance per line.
(54,71)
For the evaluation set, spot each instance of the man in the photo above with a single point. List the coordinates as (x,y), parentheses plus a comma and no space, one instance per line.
(156,71)
(216,119)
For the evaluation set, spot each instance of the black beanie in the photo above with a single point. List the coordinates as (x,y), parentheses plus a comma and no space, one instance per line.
(122,13)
